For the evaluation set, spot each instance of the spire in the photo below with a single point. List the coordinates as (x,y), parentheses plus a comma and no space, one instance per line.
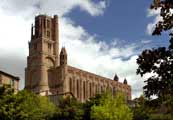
(116,77)
(125,81)
(63,51)
(63,56)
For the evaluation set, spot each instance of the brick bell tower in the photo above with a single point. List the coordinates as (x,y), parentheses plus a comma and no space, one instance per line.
(43,54)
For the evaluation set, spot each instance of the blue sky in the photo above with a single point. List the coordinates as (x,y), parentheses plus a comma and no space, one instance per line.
(122,19)
(101,36)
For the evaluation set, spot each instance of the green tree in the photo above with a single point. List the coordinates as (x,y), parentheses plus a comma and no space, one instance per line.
(95,100)
(141,111)
(111,108)
(33,106)
(69,109)
(24,106)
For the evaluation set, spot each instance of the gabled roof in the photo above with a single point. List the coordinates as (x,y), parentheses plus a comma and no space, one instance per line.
(9,75)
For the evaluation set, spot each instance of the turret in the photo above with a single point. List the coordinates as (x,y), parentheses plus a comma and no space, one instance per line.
(116,77)
(125,81)
(63,57)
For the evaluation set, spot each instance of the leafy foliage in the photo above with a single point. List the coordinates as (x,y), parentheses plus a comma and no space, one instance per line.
(69,109)
(141,111)
(28,106)
(159,61)
(111,108)
(155,109)
(24,106)
(87,106)
(167,22)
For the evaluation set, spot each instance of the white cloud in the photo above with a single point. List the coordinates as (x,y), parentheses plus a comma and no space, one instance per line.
(144,41)
(14,34)
(151,26)
(156,14)
(84,50)
(152,12)
(60,7)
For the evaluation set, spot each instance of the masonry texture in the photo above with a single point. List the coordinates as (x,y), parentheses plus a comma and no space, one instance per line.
(47,71)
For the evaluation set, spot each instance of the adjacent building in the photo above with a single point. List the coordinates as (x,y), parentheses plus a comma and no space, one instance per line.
(8,79)
(48,72)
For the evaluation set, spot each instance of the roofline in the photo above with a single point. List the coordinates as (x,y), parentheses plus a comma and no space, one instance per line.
(9,75)
(99,76)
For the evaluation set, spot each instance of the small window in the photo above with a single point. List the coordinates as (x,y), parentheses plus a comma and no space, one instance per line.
(37,22)
(12,83)
(48,34)
(35,46)
(44,23)
(49,47)
(48,24)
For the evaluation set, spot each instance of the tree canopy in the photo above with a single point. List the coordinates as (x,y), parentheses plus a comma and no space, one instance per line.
(24,106)
(159,61)
(69,109)
(111,108)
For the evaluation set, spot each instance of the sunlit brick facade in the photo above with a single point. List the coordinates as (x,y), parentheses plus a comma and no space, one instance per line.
(47,71)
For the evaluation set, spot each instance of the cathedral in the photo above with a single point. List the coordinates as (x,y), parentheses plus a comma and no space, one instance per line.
(48,72)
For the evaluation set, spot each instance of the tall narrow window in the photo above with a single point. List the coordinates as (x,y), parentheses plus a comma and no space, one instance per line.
(48,34)
(96,90)
(90,87)
(87,90)
(84,89)
(102,89)
(44,23)
(12,83)
(74,86)
(48,24)
(37,27)
(70,84)
(49,47)
(35,46)
(77,88)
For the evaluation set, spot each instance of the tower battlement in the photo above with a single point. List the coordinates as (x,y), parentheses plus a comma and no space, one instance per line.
(46,27)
